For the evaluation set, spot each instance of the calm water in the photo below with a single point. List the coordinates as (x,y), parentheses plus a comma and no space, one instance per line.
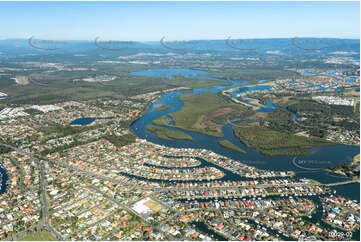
(306,72)
(250,89)
(86,121)
(204,228)
(318,159)
(351,79)
(3,179)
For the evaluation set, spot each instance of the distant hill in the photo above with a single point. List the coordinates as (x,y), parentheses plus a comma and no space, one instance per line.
(269,46)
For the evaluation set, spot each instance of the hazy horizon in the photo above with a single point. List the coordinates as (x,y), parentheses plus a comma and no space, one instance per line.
(150,21)
(151,41)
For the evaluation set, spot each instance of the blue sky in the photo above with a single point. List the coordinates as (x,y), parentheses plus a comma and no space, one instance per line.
(143,21)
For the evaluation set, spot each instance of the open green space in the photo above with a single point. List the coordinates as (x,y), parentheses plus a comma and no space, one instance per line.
(265,138)
(33,111)
(349,169)
(46,137)
(200,112)
(59,86)
(229,145)
(316,117)
(4,149)
(120,141)
(164,133)
(38,236)
(161,121)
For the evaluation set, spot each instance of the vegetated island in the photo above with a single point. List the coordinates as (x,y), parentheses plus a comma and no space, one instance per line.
(161,121)
(164,133)
(267,140)
(229,145)
(292,152)
(207,112)
(162,108)
(253,103)
(349,169)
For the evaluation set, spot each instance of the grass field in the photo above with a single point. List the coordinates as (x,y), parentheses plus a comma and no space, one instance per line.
(39,236)
(229,145)
(155,207)
(164,133)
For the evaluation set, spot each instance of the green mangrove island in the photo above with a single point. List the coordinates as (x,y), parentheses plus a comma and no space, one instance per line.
(166,134)
(229,145)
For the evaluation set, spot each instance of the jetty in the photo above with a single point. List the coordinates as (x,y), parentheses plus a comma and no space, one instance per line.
(340,183)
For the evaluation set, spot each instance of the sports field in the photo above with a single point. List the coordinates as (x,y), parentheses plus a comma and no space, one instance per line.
(155,207)
(39,236)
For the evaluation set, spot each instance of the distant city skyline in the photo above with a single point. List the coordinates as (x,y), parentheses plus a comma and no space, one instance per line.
(150,21)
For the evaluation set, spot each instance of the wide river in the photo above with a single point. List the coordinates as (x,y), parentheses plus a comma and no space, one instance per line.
(309,166)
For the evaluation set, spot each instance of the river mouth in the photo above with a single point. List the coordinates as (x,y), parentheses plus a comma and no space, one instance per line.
(312,165)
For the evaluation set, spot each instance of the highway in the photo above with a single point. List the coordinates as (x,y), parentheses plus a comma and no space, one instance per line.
(45,201)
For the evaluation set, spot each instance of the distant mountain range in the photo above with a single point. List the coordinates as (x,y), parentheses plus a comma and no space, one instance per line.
(268,46)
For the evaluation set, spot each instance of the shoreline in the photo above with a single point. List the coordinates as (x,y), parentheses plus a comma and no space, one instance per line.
(4,177)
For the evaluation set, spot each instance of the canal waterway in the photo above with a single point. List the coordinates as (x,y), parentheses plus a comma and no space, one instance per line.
(318,159)
(3,179)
